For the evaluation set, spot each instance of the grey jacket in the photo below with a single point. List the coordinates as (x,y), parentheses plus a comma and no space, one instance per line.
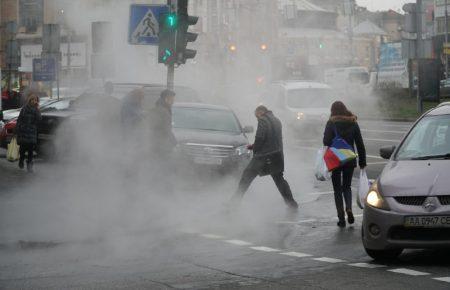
(162,138)
(27,125)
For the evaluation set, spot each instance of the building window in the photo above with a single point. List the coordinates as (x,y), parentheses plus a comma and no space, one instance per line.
(31,14)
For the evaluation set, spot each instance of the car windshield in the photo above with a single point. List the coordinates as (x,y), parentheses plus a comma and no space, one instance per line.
(57,105)
(205,119)
(309,98)
(429,139)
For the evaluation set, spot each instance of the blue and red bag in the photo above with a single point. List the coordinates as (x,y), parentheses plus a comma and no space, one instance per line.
(339,153)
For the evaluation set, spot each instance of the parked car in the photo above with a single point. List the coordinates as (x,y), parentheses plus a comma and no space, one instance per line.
(50,105)
(409,205)
(210,136)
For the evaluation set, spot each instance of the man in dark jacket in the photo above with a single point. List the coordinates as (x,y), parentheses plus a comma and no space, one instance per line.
(268,157)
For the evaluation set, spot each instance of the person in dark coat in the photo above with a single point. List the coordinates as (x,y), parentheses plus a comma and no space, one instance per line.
(27,130)
(268,158)
(344,123)
(162,142)
(163,139)
(131,112)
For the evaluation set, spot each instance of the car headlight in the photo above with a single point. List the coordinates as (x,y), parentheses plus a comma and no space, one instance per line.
(242,150)
(375,199)
(300,116)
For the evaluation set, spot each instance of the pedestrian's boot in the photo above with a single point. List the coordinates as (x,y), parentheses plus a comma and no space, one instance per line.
(350,217)
(30,167)
(341,216)
(21,164)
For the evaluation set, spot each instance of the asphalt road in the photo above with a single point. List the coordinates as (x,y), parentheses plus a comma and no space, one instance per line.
(57,234)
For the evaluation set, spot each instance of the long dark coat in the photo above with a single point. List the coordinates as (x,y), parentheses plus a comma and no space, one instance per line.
(27,125)
(162,140)
(348,129)
(268,146)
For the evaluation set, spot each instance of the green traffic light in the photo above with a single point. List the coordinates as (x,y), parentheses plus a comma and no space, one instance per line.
(167,54)
(171,20)
(321,45)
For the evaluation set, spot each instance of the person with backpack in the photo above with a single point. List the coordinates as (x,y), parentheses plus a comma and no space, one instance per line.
(343,124)
(27,130)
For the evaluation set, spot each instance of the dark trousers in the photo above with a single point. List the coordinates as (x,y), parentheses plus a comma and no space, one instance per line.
(26,148)
(342,186)
(250,174)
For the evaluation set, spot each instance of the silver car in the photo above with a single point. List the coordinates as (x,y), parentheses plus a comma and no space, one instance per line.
(409,205)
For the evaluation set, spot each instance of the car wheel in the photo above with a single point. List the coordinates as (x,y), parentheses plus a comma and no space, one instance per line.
(384,255)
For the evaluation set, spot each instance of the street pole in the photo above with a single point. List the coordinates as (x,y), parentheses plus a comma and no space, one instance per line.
(446,39)
(419,49)
(171,67)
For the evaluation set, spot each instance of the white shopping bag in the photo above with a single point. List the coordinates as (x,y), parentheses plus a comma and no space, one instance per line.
(363,188)
(12,154)
(321,171)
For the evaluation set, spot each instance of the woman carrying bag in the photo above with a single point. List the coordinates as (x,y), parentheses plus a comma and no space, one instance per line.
(27,130)
(342,124)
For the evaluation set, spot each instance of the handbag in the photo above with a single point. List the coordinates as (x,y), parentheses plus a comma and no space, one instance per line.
(321,171)
(271,164)
(12,153)
(339,153)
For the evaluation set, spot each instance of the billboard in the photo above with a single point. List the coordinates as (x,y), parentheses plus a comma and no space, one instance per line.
(392,68)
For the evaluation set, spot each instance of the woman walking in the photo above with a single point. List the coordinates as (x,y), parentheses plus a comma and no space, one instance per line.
(27,130)
(343,122)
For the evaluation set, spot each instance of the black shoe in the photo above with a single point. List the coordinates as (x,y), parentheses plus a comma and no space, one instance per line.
(350,217)
(21,165)
(341,223)
(30,167)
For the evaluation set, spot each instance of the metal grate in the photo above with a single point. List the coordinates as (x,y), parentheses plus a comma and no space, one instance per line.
(411,200)
(444,199)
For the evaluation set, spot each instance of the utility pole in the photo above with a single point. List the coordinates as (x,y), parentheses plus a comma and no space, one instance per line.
(446,39)
(171,67)
(419,52)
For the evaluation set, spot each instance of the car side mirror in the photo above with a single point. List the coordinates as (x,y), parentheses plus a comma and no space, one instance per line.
(248,129)
(1,115)
(386,151)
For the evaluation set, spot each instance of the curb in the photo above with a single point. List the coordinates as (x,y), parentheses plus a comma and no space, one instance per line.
(388,119)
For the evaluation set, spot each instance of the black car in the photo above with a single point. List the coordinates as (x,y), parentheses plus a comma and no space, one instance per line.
(210,136)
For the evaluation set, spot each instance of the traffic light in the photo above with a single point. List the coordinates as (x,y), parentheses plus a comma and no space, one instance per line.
(183,36)
(168,24)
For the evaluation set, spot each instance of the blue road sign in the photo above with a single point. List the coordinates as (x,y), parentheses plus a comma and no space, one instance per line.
(44,69)
(144,23)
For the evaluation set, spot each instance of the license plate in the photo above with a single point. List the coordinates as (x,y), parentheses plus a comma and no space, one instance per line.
(427,221)
(208,160)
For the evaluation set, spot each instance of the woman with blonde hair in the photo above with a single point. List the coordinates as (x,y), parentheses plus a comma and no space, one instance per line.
(27,130)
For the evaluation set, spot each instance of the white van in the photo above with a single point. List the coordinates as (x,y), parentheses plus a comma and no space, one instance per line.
(300,102)
(342,77)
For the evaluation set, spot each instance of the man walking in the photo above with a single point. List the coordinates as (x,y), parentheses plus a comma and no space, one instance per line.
(268,157)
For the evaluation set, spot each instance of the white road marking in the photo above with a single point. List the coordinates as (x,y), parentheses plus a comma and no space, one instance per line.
(375,163)
(239,242)
(383,131)
(212,236)
(329,260)
(374,156)
(366,265)
(265,249)
(443,279)
(408,272)
(296,254)
(297,222)
(320,192)
(382,140)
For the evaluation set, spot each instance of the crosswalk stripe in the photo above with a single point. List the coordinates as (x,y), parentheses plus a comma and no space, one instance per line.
(408,272)
(443,279)
(212,236)
(265,249)
(296,254)
(329,260)
(239,242)
(366,265)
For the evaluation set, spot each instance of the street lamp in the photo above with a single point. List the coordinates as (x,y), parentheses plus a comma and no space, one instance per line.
(232,48)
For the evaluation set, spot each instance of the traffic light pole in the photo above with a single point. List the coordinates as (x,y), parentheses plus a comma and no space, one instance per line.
(418,54)
(170,76)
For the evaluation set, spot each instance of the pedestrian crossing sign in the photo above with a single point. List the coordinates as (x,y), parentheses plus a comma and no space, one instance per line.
(143,28)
